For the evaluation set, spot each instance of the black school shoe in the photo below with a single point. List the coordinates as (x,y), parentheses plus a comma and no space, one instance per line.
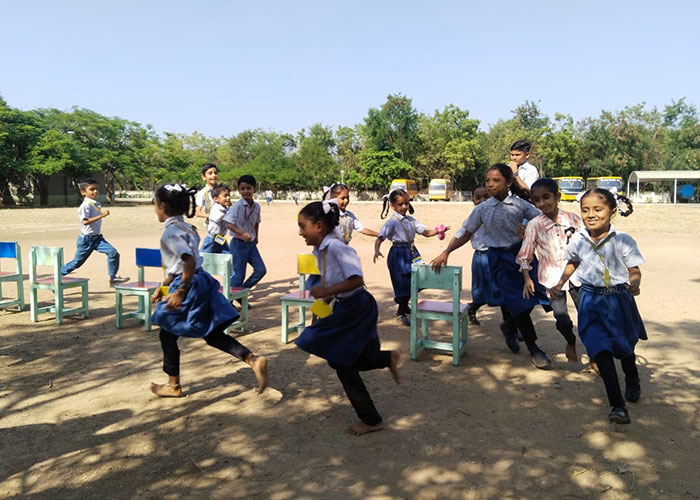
(619,415)
(633,391)
(117,280)
(540,359)
(471,315)
(403,319)
(511,338)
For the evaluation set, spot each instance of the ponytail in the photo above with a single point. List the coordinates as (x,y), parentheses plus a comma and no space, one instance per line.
(177,198)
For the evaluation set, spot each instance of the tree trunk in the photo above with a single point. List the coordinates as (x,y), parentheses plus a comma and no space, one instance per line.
(109,184)
(41,184)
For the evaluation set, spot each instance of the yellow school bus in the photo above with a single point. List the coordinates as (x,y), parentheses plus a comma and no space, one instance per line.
(407,185)
(440,189)
(569,187)
(608,182)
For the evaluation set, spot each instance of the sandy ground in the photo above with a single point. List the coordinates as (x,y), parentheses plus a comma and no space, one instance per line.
(77,419)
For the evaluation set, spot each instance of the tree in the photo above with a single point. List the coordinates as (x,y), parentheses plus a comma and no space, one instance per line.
(314,158)
(393,128)
(376,170)
(559,149)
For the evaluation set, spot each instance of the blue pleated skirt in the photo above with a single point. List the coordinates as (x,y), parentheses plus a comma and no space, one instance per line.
(506,273)
(399,263)
(341,337)
(484,288)
(203,309)
(609,322)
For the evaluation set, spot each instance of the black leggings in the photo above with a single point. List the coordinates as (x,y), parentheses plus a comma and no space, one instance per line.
(216,338)
(606,368)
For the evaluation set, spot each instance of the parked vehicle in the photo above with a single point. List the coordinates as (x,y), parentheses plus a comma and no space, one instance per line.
(407,185)
(440,189)
(569,187)
(608,182)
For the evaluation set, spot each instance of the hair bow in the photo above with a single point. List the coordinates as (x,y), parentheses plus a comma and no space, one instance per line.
(327,204)
(175,187)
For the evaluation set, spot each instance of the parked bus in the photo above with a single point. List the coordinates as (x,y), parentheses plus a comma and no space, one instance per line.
(569,187)
(440,189)
(609,182)
(407,185)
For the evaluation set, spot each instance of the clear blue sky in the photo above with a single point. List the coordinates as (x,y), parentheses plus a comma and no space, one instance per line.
(220,67)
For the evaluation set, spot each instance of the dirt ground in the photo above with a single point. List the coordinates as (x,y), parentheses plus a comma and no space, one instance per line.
(77,419)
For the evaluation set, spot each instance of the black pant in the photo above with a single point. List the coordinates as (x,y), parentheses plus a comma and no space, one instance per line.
(606,367)
(216,338)
(370,359)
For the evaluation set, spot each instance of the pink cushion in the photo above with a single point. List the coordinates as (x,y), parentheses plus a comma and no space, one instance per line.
(3,273)
(143,285)
(439,306)
(299,295)
(235,289)
(65,280)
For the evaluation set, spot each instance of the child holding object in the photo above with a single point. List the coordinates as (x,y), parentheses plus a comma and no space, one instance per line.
(194,306)
(347,338)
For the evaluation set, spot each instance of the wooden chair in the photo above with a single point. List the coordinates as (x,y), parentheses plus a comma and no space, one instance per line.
(306,266)
(53,257)
(221,264)
(12,250)
(142,289)
(449,278)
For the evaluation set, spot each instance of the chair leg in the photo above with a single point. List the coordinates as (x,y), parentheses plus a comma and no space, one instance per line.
(58,300)
(244,313)
(85,300)
(456,331)
(118,308)
(414,335)
(33,304)
(147,313)
(285,324)
(20,294)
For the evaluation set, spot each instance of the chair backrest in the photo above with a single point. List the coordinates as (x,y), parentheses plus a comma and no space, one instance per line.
(449,278)
(12,250)
(147,257)
(219,264)
(306,266)
(46,256)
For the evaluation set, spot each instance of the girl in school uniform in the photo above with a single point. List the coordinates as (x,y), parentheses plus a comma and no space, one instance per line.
(347,338)
(547,236)
(501,216)
(194,306)
(401,229)
(607,264)
(347,222)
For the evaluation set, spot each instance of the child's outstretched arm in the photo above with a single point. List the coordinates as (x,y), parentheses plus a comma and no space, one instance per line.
(635,280)
(369,232)
(454,244)
(377,244)
(433,232)
(353,282)
(95,218)
(568,271)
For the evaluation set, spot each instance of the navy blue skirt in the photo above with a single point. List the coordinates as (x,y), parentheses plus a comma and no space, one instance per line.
(341,337)
(484,288)
(506,273)
(609,322)
(399,263)
(203,309)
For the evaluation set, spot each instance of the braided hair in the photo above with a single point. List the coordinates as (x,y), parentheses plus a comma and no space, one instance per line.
(391,198)
(178,199)
(327,212)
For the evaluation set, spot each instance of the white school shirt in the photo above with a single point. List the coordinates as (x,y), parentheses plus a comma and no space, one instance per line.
(501,220)
(477,239)
(204,199)
(337,263)
(619,251)
(347,222)
(178,239)
(88,209)
(397,227)
(244,217)
(528,173)
(216,224)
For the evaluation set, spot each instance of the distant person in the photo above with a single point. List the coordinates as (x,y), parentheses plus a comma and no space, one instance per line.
(268,197)
(204,200)
(90,239)
(348,221)
(295,196)
(215,241)
(524,173)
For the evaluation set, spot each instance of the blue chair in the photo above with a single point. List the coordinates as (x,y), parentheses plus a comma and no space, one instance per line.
(142,289)
(12,250)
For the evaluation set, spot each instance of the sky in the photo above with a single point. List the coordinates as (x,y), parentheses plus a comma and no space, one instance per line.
(221,67)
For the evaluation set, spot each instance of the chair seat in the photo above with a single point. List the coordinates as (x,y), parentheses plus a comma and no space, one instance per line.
(299,295)
(439,306)
(136,285)
(3,274)
(234,289)
(66,280)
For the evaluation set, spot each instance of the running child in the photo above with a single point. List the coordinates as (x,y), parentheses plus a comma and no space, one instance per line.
(547,236)
(243,221)
(204,200)
(501,216)
(607,264)
(348,221)
(90,239)
(215,241)
(347,338)
(401,229)
(194,306)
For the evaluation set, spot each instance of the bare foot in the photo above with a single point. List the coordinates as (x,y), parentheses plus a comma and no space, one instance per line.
(394,367)
(595,367)
(361,428)
(571,355)
(259,366)
(166,390)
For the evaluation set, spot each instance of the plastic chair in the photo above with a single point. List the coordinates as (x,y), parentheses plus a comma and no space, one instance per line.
(221,264)
(12,250)
(306,266)
(142,289)
(449,278)
(53,257)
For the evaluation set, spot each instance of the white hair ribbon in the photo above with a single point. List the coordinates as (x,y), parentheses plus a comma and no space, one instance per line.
(175,187)
(327,204)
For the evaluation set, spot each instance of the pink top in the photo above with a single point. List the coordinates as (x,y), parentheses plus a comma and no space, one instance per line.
(549,239)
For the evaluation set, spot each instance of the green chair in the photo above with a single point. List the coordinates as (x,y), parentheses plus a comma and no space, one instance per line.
(306,266)
(449,278)
(142,289)
(221,264)
(12,250)
(53,257)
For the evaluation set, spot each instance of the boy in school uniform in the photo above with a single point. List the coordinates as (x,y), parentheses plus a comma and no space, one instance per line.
(524,173)
(215,241)
(203,199)
(90,238)
(243,221)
